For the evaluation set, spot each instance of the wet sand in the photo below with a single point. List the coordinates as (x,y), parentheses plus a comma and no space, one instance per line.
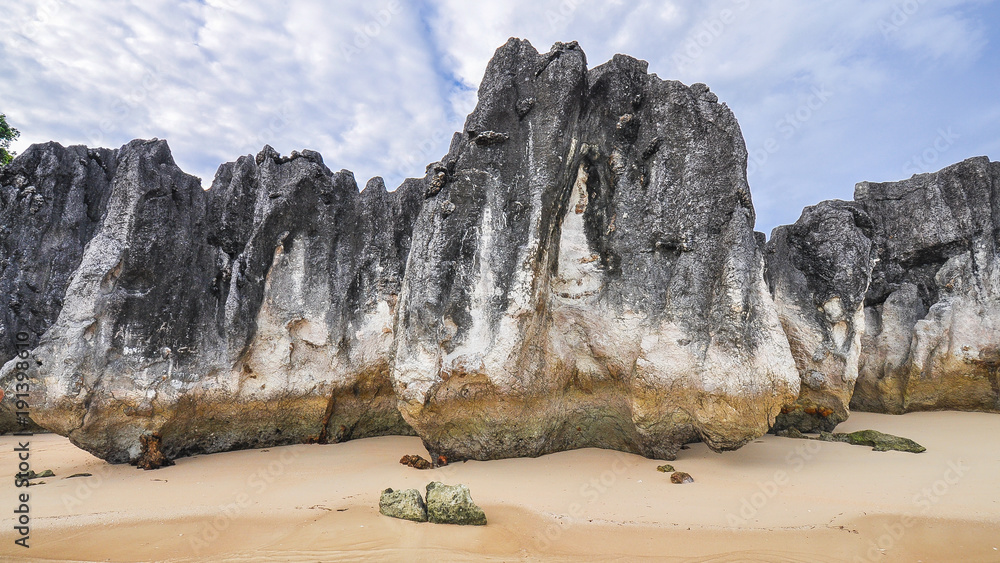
(776,499)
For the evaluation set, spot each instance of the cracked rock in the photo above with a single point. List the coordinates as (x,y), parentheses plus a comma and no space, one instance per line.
(453,504)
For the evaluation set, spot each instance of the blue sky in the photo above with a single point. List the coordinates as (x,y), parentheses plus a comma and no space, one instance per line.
(828,93)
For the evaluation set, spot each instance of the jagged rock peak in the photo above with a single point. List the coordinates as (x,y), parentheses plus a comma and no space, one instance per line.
(613,294)
(891,302)
(258,312)
(579,270)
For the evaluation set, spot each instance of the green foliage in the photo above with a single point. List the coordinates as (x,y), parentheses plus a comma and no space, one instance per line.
(7,134)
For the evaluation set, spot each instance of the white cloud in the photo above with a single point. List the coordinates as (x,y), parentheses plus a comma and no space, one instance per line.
(223,78)
(378,87)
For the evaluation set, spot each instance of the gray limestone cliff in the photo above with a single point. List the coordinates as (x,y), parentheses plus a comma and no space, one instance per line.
(51,202)
(585,273)
(891,303)
(580,270)
(932,313)
(256,313)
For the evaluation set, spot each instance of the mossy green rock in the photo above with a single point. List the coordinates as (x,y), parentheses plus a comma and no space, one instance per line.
(879,442)
(407,505)
(665,468)
(452,504)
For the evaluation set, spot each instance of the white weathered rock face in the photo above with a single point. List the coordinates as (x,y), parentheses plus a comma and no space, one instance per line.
(585,272)
(818,271)
(257,313)
(51,201)
(911,271)
(932,338)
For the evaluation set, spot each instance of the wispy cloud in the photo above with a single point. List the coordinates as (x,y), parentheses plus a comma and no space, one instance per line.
(378,87)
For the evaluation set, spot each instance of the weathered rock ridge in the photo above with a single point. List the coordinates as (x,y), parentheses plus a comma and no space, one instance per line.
(256,313)
(932,313)
(585,271)
(891,303)
(818,271)
(51,203)
(580,270)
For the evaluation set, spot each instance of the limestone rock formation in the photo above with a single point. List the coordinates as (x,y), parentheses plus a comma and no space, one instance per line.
(818,271)
(585,272)
(932,313)
(580,270)
(51,202)
(891,303)
(257,313)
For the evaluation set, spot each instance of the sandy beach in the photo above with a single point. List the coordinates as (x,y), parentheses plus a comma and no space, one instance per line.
(776,499)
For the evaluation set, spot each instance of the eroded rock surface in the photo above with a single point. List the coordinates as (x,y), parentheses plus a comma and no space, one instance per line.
(922,253)
(453,504)
(407,505)
(52,199)
(818,271)
(932,313)
(257,313)
(585,273)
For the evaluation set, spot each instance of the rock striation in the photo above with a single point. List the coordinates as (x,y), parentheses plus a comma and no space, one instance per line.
(257,313)
(818,271)
(585,273)
(580,270)
(891,303)
(932,313)
(51,202)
